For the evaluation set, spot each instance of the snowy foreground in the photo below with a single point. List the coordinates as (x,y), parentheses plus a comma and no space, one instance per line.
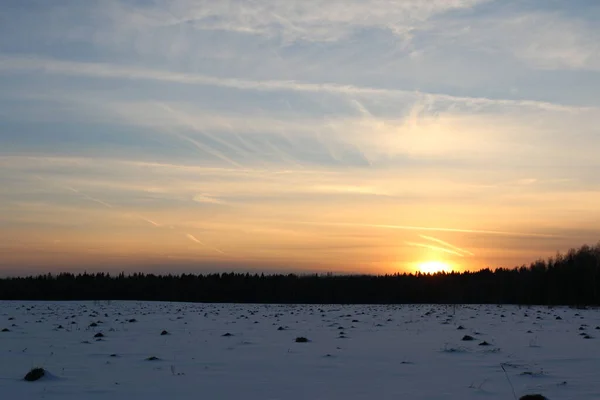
(354,352)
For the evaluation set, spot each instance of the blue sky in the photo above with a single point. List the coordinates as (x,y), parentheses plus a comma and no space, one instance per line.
(345,136)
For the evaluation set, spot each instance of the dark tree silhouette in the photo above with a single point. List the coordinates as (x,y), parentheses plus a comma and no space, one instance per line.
(569,279)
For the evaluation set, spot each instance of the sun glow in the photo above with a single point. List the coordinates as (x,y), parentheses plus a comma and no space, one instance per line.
(431,267)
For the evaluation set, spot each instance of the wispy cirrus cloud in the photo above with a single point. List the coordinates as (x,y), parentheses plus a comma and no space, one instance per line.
(183,130)
(21,64)
(318,21)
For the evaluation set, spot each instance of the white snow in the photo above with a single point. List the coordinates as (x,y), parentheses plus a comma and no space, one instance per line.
(389,352)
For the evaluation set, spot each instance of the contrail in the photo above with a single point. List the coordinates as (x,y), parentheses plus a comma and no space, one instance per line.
(428,246)
(207,149)
(90,198)
(284,156)
(202,198)
(149,221)
(184,118)
(361,108)
(154,223)
(446,244)
(194,239)
(104,70)
(419,228)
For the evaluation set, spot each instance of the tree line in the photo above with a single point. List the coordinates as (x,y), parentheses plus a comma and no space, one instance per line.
(566,279)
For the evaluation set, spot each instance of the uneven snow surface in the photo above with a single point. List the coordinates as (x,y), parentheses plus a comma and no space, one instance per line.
(354,352)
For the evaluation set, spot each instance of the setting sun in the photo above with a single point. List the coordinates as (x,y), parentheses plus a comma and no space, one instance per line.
(432,267)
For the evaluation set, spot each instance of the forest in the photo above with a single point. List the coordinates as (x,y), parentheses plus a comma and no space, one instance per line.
(565,279)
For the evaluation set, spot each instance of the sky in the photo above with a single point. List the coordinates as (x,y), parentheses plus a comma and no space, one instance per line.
(344,136)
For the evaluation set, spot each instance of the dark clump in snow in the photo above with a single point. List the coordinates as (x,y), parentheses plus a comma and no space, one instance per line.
(484,343)
(153,358)
(35,374)
(533,397)
(301,340)
(468,338)
(99,335)
(163,333)
(227,334)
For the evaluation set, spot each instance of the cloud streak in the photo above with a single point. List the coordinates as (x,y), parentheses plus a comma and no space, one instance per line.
(423,228)
(439,241)
(436,248)
(196,240)
(36,64)
(193,239)
(90,198)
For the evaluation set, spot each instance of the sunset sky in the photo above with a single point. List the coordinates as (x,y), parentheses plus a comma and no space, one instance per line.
(296,135)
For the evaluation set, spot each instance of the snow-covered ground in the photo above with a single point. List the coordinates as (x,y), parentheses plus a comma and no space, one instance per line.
(354,352)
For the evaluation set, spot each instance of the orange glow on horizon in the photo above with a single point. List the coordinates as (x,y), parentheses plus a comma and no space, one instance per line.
(432,267)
